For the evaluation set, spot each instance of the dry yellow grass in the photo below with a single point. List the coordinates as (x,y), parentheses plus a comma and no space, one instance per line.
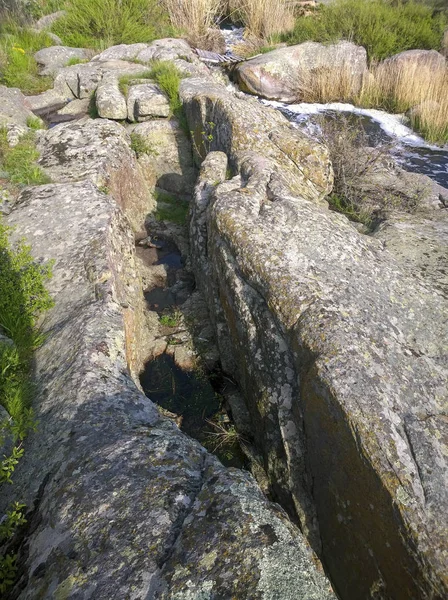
(329,85)
(263,18)
(194,17)
(420,89)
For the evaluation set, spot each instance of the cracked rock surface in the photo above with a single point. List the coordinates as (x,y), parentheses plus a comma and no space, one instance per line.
(121,504)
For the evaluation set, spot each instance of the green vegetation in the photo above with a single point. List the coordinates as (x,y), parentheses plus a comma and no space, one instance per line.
(168,77)
(17,65)
(104,23)
(35,123)
(23,299)
(141,146)
(383,27)
(172,319)
(171,208)
(76,61)
(123,81)
(19,161)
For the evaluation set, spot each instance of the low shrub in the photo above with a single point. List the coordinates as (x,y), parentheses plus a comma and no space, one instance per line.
(17,65)
(104,23)
(381,26)
(355,167)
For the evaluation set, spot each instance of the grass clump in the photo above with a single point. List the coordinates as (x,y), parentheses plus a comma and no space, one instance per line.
(35,123)
(19,161)
(194,17)
(105,23)
(382,27)
(264,19)
(171,208)
(17,65)
(168,77)
(76,61)
(140,146)
(172,319)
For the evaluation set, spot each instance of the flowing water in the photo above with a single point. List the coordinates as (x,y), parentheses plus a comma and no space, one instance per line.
(409,150)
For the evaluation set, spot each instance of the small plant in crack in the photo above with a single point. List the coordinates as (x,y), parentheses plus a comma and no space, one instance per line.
(172,319)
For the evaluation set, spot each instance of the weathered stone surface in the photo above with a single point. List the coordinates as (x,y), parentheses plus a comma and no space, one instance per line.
(121,52)
(110,484)
(147,101)
(282,73)
(14,107)
(75,107)
(97,150)
(229,508)
(341,355)
(417,59)
(167,49)
(53,58)
(171,163)
(83,79)
(110,102)
(220,119)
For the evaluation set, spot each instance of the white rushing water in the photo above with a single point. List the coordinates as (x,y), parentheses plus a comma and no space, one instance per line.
(411,151)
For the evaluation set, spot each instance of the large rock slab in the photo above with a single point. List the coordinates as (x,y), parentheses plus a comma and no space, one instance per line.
(283,73)
(53,58)
(14,107)
(170,165)
(342,357)
(98,150)
(147,101)
(416,59)
(113,489)
(110,102)
(221,119)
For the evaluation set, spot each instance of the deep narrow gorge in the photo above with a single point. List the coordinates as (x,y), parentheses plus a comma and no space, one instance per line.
(200,247)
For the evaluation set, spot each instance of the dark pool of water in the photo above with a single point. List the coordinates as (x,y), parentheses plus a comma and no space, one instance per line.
(191,396)
(159,299)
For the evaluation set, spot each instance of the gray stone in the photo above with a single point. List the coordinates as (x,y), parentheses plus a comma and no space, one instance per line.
(221,119)
(167,49)
(110,102)
(14,107)
(53,58)
(417,59)
(341,356)
(147,101)
(171,162)
(283,73)
(97,150)
(114,489)
(121,52)
(76,107)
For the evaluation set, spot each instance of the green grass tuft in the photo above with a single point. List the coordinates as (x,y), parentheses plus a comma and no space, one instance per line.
(104,23)
(382,27)
(19,161)
(35,123)
(140,146)
(171,208)
(76,61)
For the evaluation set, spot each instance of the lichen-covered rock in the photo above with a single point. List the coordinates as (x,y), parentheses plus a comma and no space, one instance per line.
(121,52)
(221,119)
(108,482)
(98,150)
(170,164)
(146,101)
(283,73)
(14,107)
(110,102)
(341,355)
(167,49)
(53,58)
(417,59)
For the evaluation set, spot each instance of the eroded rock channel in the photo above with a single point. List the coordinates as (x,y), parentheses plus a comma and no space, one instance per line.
(332,344)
